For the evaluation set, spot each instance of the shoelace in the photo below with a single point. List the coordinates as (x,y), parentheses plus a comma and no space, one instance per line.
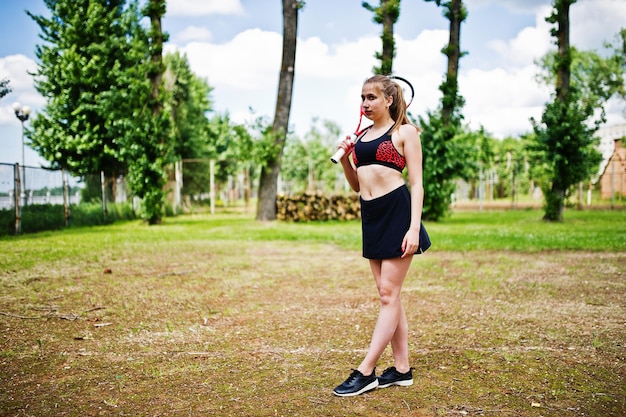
(354,375)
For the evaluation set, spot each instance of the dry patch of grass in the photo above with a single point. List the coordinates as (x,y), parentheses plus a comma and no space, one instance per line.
(247,328)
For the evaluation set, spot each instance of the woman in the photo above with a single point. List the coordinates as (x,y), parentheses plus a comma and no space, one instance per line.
(390,220)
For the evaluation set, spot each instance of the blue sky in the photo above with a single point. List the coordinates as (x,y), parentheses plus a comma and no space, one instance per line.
(236,46)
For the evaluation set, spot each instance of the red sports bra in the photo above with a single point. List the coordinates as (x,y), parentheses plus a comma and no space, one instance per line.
(379,151)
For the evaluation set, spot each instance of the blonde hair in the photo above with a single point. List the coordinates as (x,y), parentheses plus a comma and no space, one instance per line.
(398,108)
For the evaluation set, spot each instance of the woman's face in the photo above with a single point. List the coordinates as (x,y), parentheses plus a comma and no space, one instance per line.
(373,101)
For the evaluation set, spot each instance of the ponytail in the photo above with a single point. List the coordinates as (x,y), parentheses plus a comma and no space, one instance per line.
(398,108)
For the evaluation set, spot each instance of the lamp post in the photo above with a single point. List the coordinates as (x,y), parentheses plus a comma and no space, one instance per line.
(22,113)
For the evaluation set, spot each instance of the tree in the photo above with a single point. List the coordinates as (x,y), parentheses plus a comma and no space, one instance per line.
(81,74)
(101,74)
(564,142)
(4,88)
(619,52)
(596,77)
(443,148)
(446,156)
(266,209)
(151,150)
(222,140)
(511,164)
(244,148)
(386,14)
(455,11)
(480,156)
(306,160)
(188,103)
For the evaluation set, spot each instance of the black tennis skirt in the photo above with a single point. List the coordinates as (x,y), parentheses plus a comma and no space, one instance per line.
(385,221)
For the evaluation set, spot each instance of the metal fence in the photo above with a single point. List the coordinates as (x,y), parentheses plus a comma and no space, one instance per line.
(22,187)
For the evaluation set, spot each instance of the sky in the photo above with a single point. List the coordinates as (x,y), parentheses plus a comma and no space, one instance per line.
(236,46)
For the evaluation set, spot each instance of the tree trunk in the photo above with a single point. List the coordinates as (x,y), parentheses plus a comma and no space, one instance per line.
(564,61)
(156,57)
(153,200)
(556,200)
(389,45)
(266,209)
(453,52)
(387,14)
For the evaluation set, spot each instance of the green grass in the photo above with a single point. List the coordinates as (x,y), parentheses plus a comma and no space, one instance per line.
(525,231)
(500,230)
(222,315)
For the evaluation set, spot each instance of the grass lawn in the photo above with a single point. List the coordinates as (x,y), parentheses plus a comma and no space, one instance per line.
(220,315)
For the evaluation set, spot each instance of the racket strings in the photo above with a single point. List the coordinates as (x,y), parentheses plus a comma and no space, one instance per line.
(406,87)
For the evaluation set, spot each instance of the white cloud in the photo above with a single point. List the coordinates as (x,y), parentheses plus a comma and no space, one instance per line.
(246,63)
(502,100)
(530,43)
(615,112)
(6,115)
(422,54)
(16,68)
(593,22)
(421,62)
(320,60)
(243,72)
(517,6)
(193,33)
(203,7)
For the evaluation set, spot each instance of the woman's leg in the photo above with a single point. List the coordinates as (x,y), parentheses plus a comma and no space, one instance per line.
(392,324)
(400,344)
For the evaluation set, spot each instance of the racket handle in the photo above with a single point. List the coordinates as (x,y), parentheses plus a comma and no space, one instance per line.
(340,152)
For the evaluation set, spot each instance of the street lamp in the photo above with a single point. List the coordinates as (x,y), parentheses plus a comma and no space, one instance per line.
(22,113)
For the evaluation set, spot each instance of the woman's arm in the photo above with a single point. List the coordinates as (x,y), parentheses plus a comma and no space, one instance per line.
(348,169)
(412,150)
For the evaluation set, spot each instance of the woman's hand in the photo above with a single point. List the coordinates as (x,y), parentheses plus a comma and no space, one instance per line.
(347,145)
(411,242)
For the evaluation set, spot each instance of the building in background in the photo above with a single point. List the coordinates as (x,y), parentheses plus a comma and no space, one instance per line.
(612,175)
(613,178)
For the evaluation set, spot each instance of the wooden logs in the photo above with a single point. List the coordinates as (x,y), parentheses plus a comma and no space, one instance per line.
(317,207)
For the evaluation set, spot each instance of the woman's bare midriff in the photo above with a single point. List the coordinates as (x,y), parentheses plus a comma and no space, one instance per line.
(377,180)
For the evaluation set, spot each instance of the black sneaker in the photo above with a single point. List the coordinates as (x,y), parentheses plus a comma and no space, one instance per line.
(392,377)
(356,384)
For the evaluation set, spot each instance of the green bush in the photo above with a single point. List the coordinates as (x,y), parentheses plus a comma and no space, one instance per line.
(40,217)
(7,222)
(45,217)
(90,214)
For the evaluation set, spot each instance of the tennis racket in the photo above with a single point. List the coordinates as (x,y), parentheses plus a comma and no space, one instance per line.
(353,137)
(408,93)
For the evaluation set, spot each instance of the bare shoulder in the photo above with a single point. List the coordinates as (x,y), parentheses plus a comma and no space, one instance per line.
(408,132)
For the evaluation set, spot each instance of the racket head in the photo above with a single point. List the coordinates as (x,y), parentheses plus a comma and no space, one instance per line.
(358,129)
(407,88)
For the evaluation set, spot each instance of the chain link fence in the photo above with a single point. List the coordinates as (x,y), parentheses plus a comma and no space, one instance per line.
(36,186)
(25,191)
